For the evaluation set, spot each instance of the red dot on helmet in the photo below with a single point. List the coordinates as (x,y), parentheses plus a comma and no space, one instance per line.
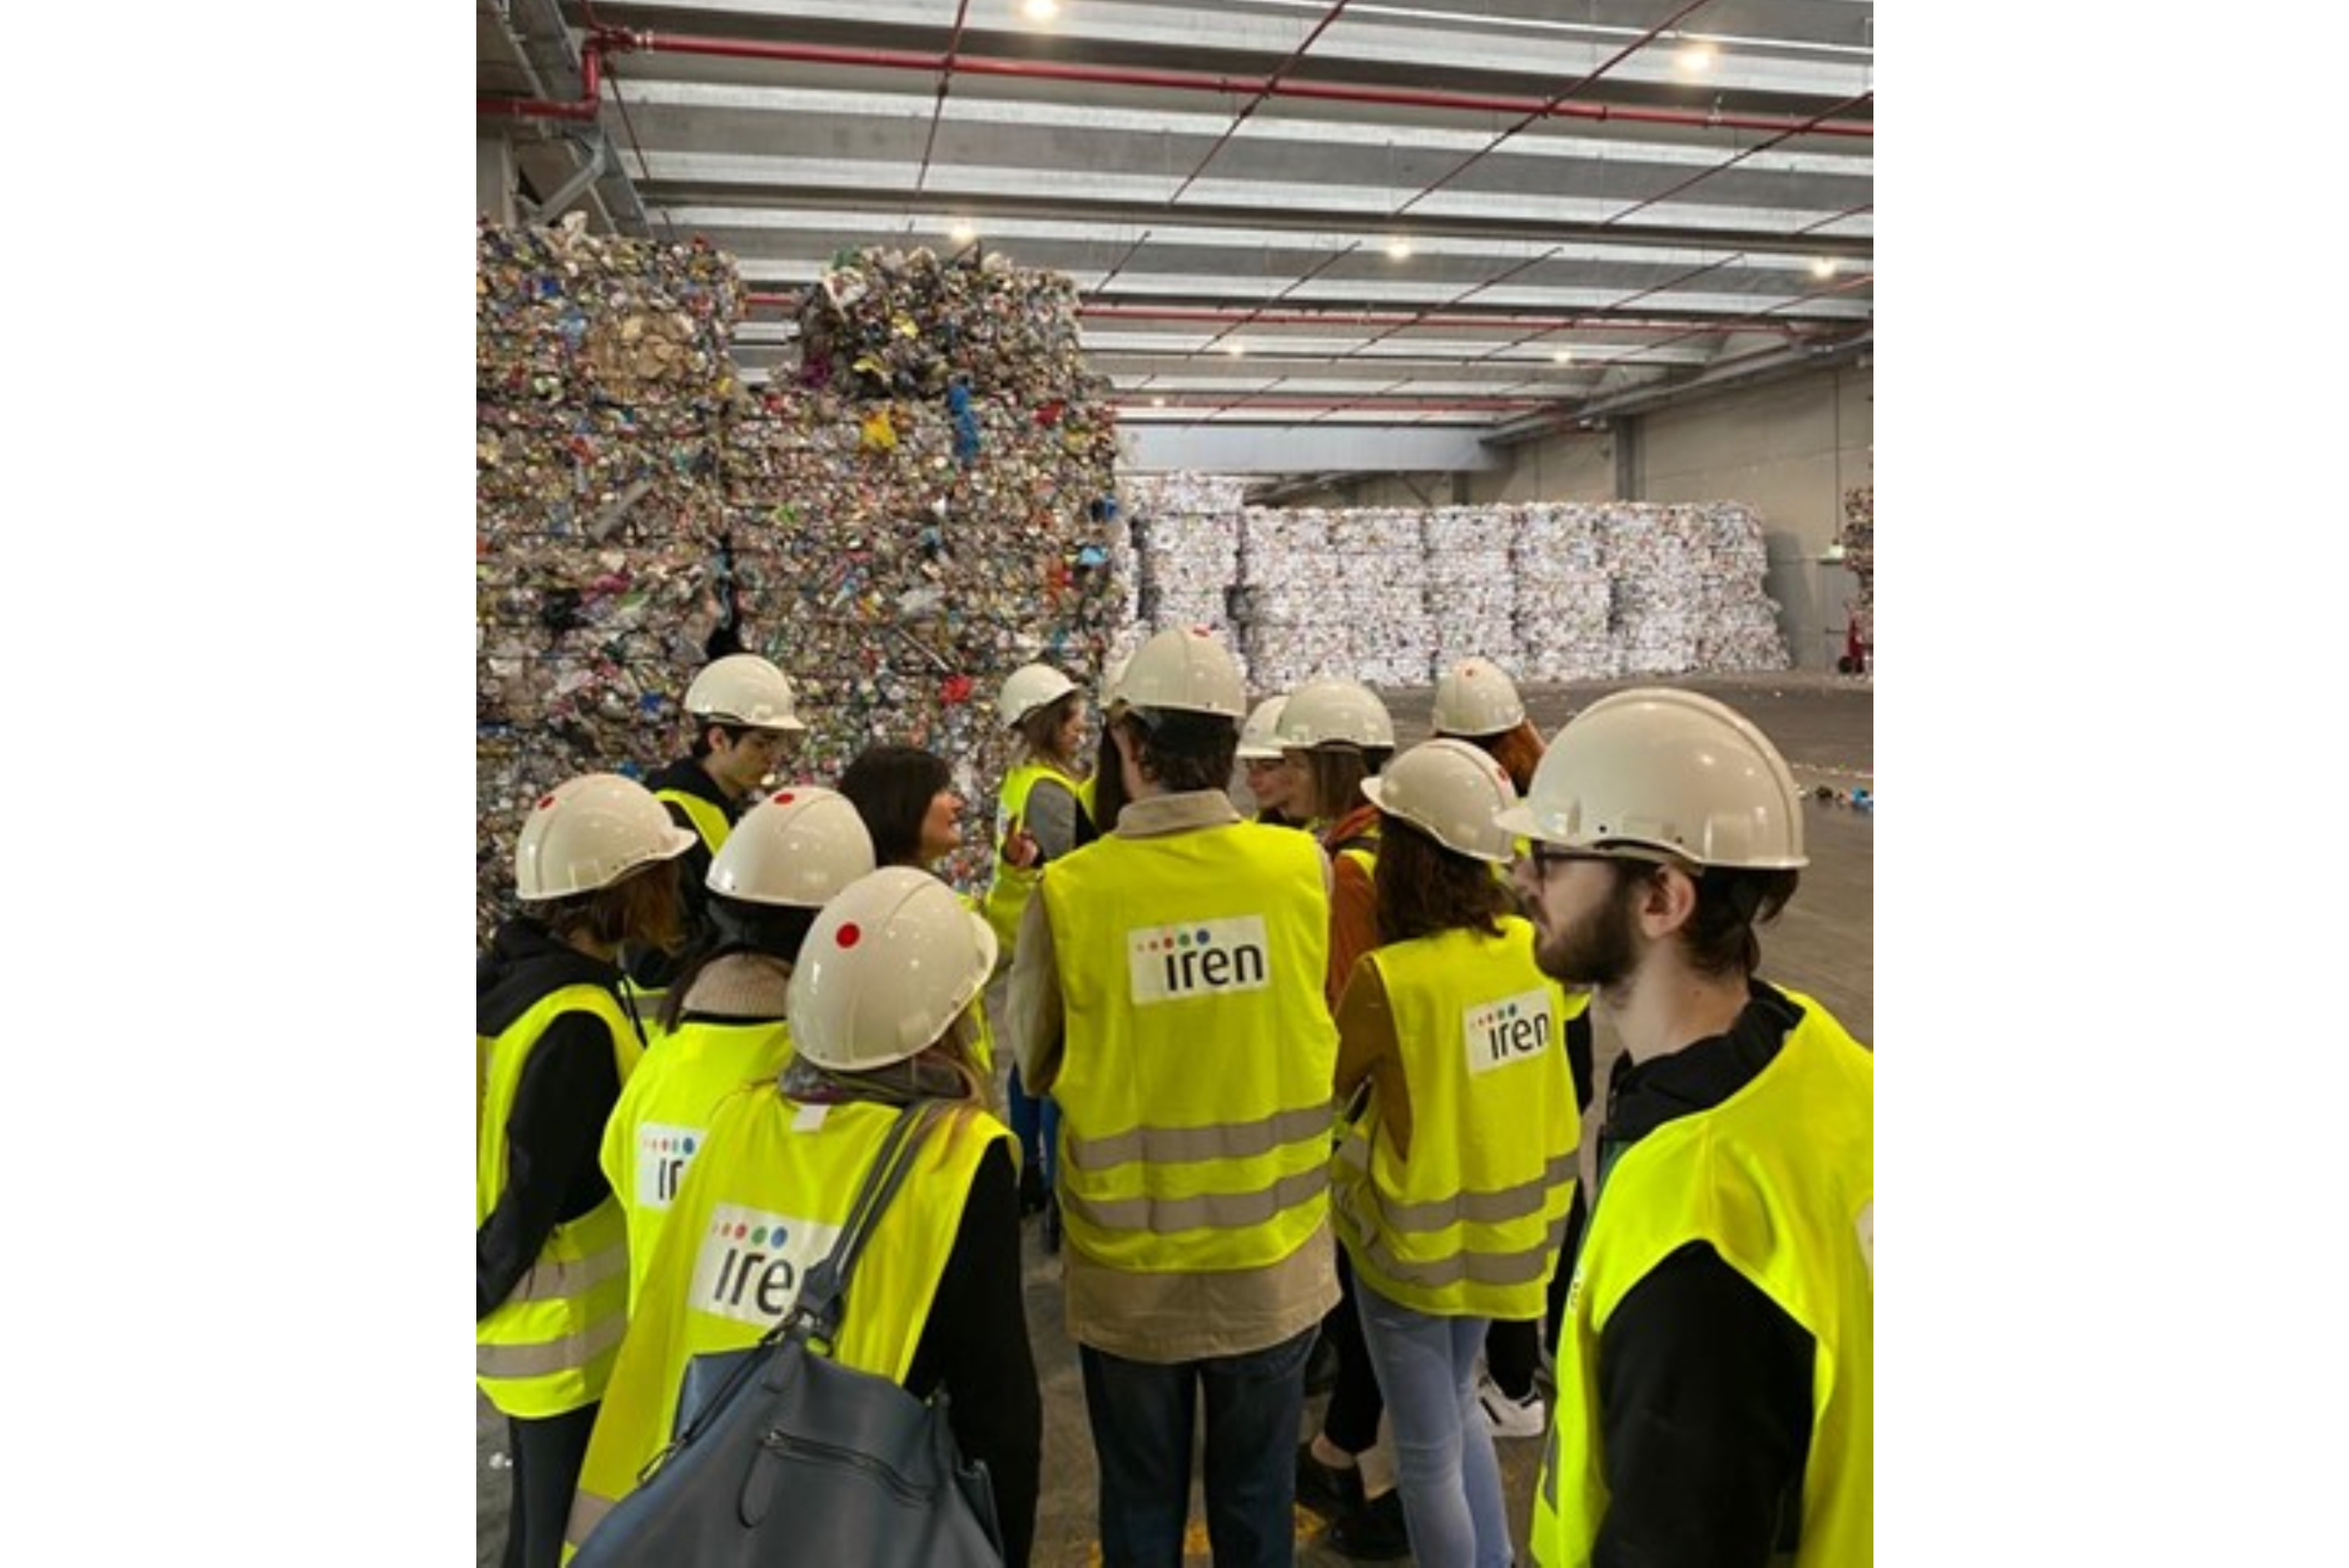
(785,798)
(544,801)
(849,935)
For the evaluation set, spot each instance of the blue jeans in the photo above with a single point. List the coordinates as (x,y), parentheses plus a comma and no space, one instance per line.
(1036,1123)
(1141,1413)
(1444,1468)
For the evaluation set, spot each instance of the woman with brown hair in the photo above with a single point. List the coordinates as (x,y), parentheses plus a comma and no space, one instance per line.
(1452,1183)
(1475,701)
(595,867)
(1036,815)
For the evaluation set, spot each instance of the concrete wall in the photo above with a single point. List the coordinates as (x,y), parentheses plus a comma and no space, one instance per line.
(1789,449)
(1576,466)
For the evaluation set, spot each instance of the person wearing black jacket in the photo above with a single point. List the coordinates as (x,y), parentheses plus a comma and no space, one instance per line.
(595,865)
(744,718)
(1715,1365)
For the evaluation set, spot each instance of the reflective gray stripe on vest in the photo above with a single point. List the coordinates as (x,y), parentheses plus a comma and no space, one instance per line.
(1473,1208)
(566,1355)
(549,1280)
(1219,1141)
(1476,1268)
(1222,1211)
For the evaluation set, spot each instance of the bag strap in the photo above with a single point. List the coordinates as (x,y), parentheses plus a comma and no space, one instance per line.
(818,1307)
(816,1314)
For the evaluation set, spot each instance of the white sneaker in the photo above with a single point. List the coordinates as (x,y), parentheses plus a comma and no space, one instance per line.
(1525,1418)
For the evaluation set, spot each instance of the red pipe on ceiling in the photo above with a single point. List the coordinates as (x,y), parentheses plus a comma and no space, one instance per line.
(615,41)
(582,108)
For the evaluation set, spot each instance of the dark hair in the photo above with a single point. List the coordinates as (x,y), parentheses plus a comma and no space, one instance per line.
(891,788)
(1719,938)
(646,907)
(1423,888)
(1108,790)
(1179,750)
(1039,728)
(702,728)
(737,925)
(1517,749)
(1729,905)
(1335,774)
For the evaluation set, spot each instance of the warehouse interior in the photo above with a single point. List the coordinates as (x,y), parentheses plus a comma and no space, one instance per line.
(1028,326)
(1361,254)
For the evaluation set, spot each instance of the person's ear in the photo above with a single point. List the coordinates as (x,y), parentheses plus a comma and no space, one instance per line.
(1667,901)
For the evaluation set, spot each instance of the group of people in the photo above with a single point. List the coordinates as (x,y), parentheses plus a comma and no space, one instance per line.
(1316,1075)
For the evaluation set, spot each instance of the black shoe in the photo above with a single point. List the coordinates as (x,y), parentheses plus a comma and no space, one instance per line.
(1373,1532)
(1032,1190)
(1322,1366)
(1326,1490)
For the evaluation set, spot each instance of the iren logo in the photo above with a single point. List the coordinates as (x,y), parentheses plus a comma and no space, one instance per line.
(1513,1029)
(751,1263)
(662,1154)
(1199,957)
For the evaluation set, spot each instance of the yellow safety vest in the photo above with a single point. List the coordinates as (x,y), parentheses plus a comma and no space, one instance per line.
(645,1001)
(761,1204)
(1471,1225)
(548,1348)
(709,818)
(1780,1180)
(1194,1089)
(662,1118)
(1009,892)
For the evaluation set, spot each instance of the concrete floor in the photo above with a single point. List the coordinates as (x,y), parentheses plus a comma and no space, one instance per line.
(1822,944)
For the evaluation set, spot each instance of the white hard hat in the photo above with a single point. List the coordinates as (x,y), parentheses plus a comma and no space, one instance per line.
(745,689)
(1185,669)
(1451,790)
(799,846)
(1112,687)
(1328,710)
(1257,742)
(588,832)
(1028,689)
(1668,769)
(1475,697)
(890,961)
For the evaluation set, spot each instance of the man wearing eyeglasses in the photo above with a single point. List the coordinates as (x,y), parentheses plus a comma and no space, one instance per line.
(1716,1361)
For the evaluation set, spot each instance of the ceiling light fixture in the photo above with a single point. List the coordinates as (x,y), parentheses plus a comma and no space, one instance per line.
(1561,356)
(1694,58)
(1823,267)
(1234,349)
(1158,402)
(1041,10)
(963,234)
(1399,249)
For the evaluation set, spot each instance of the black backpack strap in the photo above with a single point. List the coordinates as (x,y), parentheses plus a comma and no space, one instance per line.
(819,1295)
(815,1316)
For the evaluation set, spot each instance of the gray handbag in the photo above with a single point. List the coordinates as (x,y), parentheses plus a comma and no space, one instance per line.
(783,1455)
